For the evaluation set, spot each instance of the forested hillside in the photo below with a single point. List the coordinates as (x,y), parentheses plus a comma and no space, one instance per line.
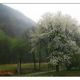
(13,26)
(12,22)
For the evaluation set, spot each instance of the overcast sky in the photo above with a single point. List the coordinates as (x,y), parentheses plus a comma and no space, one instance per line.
(35,11)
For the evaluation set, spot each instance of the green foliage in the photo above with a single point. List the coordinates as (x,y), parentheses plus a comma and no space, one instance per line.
(4,47)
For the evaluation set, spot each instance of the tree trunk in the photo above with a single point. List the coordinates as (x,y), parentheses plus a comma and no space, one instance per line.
(47,55)
(34,60)
(39,61)
(68,68)
(19,66)
(57,68)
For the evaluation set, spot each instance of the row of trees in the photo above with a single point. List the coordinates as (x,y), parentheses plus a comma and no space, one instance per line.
(58,36)
(55,40)
(13,50)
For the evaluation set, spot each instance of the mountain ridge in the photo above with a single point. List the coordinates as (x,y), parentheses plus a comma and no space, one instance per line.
(13,22)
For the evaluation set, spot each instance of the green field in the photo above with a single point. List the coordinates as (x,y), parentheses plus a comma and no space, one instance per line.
(28,70)
(25,68)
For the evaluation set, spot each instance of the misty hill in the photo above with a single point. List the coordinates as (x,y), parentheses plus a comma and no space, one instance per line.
(12,22)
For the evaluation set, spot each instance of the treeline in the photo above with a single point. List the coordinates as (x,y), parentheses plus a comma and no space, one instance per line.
(12,48)
(55,40)
(59,37)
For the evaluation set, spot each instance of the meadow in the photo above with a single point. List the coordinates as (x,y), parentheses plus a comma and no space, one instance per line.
(28,70)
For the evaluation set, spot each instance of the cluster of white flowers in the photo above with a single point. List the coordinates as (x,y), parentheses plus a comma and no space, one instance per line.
(66,57)
(54,61)
(57,31)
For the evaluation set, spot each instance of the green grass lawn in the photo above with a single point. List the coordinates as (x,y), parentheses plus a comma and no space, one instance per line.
(27,65)
(28,70)
(7,67)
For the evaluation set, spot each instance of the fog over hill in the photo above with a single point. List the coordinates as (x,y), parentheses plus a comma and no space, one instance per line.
(13,22)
